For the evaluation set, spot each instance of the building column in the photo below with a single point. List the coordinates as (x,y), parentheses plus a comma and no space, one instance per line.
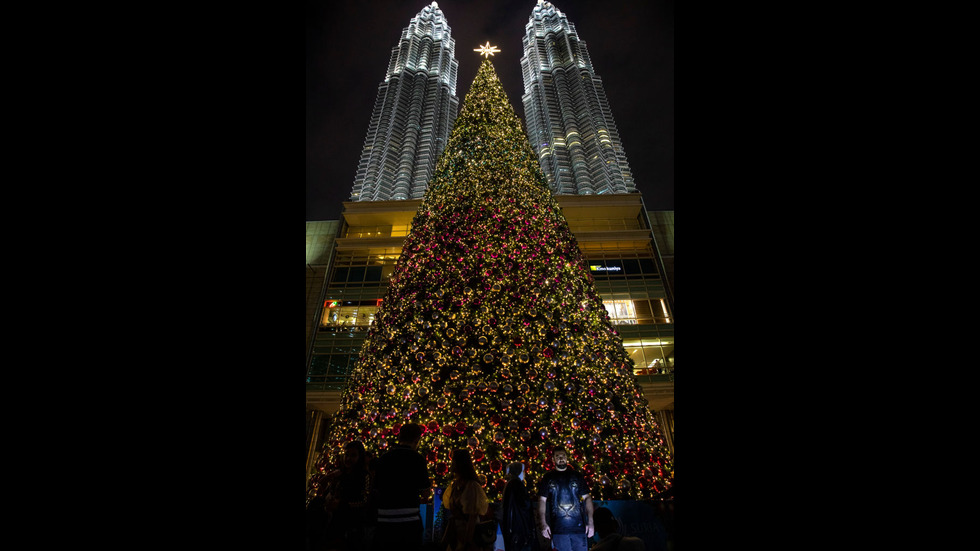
(315,427)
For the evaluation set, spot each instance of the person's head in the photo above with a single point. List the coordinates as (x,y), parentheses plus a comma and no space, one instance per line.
(604,521)
(515,470)
(560,457)
(410,435)
(462,467)
(354,455)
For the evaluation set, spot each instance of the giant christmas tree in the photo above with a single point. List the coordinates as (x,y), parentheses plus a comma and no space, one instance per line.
(491,334)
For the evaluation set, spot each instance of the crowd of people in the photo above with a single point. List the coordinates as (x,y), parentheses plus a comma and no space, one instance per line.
(373,505)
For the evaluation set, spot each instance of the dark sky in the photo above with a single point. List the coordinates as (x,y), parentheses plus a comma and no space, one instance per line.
(349,42)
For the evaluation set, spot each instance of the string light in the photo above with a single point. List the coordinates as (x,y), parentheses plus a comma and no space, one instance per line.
(487,50)
(492,335)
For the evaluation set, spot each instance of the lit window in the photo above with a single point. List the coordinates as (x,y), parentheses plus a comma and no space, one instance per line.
(621,311)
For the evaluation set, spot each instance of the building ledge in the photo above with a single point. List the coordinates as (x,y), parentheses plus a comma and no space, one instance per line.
(627,206)
(327,401)
(380,213)
(352,243)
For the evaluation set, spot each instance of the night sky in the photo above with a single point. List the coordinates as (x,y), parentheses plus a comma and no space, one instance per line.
(348,45)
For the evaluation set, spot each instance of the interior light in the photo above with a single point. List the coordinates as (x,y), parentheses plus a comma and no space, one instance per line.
(641,344)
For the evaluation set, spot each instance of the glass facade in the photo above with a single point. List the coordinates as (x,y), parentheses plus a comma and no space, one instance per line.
(356,286)
(633,293)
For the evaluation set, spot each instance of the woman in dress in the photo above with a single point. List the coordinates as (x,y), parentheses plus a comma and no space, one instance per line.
(467,502)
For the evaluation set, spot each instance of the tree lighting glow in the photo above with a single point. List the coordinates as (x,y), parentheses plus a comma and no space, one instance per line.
(492,335)
(487,50)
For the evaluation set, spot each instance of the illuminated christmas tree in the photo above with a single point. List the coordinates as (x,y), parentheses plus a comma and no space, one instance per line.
(492,335)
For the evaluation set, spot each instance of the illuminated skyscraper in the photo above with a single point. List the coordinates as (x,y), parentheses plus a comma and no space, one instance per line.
(568,118)
(413,113)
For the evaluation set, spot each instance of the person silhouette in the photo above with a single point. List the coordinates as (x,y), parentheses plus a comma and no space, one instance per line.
(401,483)
(607,528)
(349,501)
(317,520)
(518,521)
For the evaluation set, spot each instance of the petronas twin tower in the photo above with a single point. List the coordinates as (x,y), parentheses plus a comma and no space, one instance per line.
(569,123)
(568,119)
(413,113)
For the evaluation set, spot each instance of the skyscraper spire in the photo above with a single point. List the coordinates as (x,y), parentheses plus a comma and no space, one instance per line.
(413,113)
(568,118)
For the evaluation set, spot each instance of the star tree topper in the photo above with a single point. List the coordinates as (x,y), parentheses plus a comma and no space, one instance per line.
(487,50)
